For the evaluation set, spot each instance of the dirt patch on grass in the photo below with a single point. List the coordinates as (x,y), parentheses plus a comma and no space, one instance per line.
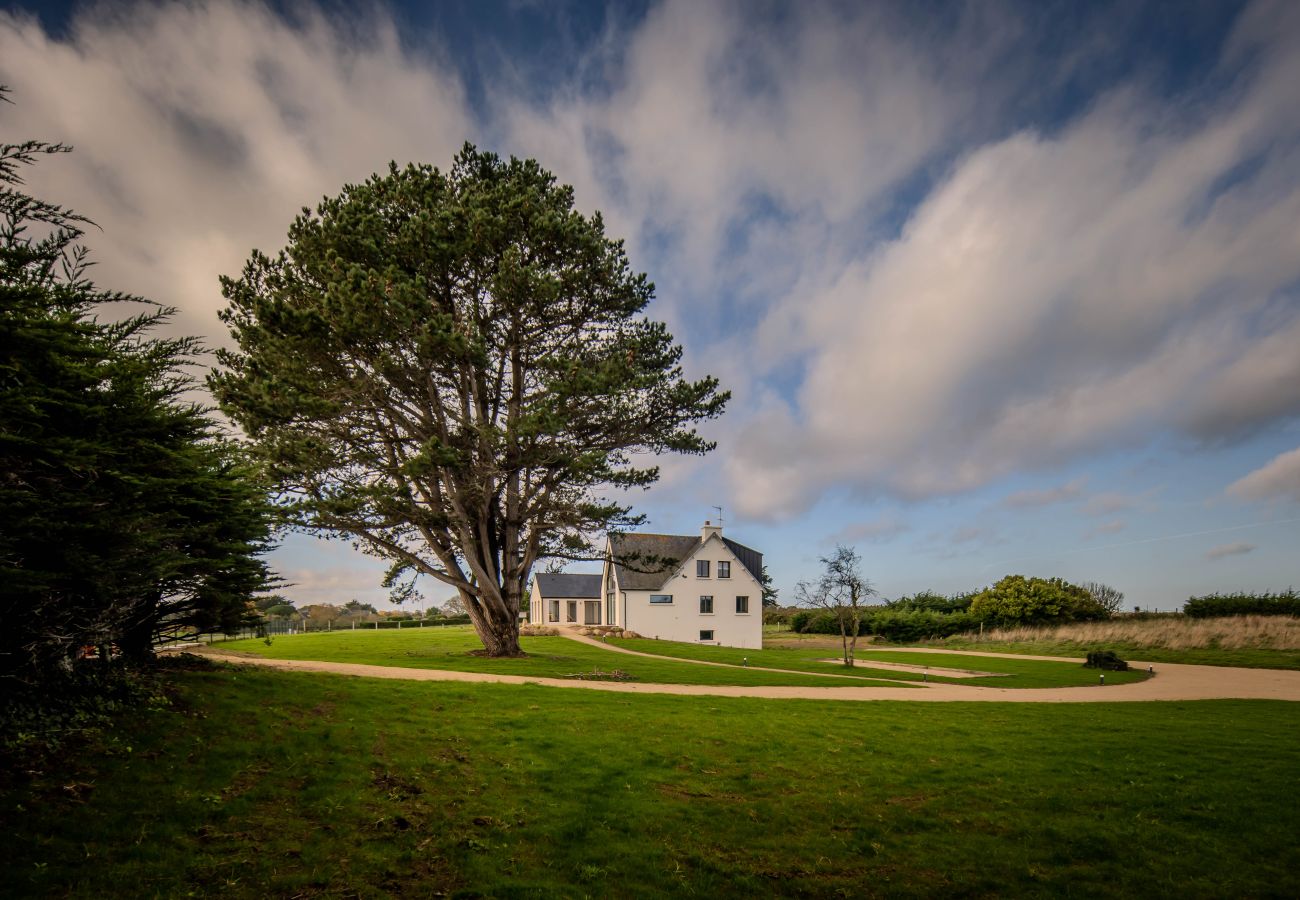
(937,671)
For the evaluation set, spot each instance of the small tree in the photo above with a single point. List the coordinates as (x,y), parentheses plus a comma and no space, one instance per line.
(843,592)
(769,592)
(453,607)
(323,613)
(1107,597)
(452,369)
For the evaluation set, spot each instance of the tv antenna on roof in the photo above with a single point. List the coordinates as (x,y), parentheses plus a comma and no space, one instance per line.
(719,509)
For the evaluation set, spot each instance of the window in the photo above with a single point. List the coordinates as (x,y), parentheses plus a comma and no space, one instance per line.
(661,598)
(742,605)
(609,605)
(555,610)
(706,605)
(701,568)
(724,569)
(706,635)
(572,611)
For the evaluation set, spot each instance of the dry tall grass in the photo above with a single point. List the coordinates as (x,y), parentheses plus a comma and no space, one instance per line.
(1173,633)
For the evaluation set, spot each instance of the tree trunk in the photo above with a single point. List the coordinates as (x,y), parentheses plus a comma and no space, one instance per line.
(499,632)
(499,638)
(136,638)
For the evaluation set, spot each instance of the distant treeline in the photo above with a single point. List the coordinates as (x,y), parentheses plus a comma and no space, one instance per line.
(1014,601)
(1285,603)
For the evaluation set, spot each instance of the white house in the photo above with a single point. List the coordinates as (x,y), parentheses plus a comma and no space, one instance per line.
(565,600)
(704,589)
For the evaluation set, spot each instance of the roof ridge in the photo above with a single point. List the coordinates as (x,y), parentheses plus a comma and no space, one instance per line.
(653,534)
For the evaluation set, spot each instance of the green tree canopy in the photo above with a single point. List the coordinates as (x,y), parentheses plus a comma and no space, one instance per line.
(1017,600)
(452,368)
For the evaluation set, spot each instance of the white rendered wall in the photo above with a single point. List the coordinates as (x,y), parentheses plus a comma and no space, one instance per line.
(682,620)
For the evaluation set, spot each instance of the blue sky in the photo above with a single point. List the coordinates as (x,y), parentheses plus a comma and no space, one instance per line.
(998,287)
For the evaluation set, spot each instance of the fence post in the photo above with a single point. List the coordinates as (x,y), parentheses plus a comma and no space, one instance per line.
(399,624)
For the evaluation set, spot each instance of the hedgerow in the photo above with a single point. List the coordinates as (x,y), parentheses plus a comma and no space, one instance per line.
(1285,603)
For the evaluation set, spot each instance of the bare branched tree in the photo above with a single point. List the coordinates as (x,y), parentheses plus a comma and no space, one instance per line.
(843,592)
(1107,597)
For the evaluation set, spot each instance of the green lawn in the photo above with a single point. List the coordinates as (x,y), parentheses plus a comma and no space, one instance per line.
(259,783)
(1019,673)
(548,657)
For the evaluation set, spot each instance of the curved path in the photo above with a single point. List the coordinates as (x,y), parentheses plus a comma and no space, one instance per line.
(1172,682)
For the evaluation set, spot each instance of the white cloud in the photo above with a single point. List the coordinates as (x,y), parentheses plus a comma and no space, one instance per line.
(738,156)
(1237,549)
(1053,293)
(1058,295)
(200,130)
(1279,479)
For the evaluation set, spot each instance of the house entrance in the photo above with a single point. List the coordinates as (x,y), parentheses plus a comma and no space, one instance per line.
(591,612)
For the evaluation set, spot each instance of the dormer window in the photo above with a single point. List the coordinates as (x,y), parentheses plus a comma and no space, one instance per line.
(701,568)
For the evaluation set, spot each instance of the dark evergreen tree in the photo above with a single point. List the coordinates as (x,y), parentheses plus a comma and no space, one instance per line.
(123,519)
(769,590)
(452,368)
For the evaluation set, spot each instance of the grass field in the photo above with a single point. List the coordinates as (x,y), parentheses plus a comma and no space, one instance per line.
(548,657)
(450,648)
(258,783)
(1013,672)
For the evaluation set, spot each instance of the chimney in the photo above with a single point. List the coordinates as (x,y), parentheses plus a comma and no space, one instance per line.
(709,530)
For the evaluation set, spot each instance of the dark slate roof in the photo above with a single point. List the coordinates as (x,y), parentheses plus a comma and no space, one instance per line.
(567,586)
(750,559)
(644,562)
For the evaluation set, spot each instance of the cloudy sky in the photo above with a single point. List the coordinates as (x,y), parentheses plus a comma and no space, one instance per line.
(998,287)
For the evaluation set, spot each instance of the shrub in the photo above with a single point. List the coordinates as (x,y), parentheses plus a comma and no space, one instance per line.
(905,627)
(1286,603)
(931,602)
(799,621)
(779,615)
(1017,600)
(815,622)
(897,626)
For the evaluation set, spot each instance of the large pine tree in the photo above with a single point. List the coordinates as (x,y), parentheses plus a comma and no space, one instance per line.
(452,368)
